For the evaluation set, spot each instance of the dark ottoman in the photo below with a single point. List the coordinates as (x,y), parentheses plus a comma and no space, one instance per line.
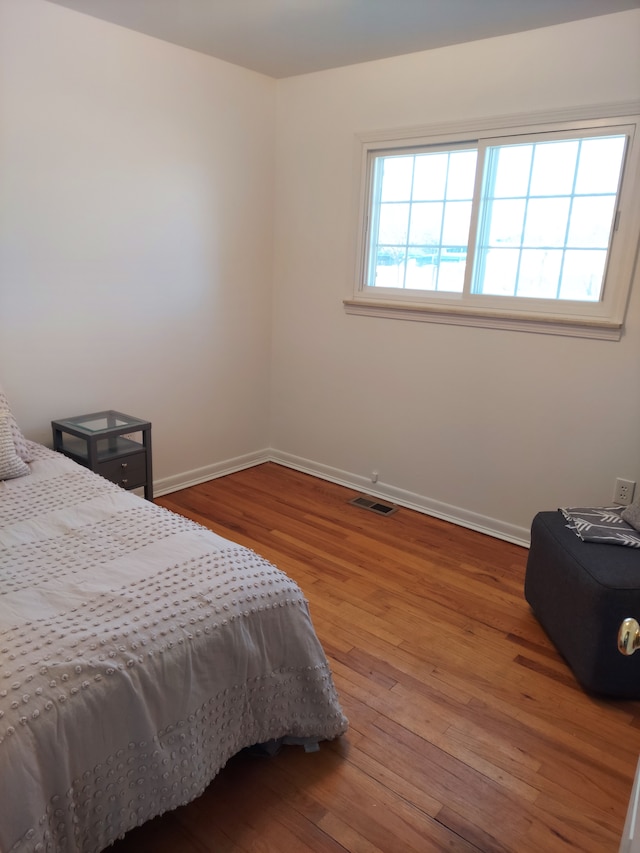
(580,592)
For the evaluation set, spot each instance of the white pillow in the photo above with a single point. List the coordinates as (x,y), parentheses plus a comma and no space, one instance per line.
(631,514)
(19,441)
(10,463)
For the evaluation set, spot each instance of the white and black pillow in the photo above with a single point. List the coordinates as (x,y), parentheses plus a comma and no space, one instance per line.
(631,514)
(11,465)
(20,442)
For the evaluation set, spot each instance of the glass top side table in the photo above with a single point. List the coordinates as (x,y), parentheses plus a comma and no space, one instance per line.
(104,442)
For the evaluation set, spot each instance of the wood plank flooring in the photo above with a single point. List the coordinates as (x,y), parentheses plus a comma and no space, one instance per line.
(467,730)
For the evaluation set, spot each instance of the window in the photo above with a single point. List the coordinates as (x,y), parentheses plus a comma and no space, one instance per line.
(421,209)
(531,226)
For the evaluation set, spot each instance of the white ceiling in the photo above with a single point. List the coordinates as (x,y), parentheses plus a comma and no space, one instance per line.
(282,38)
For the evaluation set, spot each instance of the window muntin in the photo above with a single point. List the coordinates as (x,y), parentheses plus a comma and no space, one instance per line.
(475,284)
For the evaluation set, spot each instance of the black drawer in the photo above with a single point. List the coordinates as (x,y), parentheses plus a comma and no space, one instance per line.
(129,471)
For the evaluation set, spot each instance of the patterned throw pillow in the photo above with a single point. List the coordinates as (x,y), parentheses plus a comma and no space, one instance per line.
(632,514)
(10,463)
(19,441)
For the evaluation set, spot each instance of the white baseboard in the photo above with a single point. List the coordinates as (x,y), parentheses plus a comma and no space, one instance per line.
(456,515)
(209,472)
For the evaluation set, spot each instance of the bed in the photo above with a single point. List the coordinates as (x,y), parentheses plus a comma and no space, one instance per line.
(139,651)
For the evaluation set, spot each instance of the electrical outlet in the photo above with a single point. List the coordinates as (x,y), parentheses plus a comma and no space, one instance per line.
(623,492)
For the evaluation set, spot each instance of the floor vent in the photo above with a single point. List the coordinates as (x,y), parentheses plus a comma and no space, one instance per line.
(374,506)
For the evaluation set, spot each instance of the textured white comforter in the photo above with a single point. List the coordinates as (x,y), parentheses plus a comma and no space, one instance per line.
(138,653)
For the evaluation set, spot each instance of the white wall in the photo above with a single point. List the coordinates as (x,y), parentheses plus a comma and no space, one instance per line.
(136,199)
(481,425)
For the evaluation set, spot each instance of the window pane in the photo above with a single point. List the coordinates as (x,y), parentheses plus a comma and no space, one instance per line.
(389,267)
(396,178)
(455,229)
(591,220)
(426,223)
(422,272)
(582,275)
(501,272)
(600,164)
(512,171)
(451,274)
(539,273)
(394,223)
(430,177)
(554,166)
(507,220)
(546,222)
(462,174)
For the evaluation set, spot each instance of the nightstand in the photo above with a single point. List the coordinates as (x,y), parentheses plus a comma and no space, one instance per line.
(101,441)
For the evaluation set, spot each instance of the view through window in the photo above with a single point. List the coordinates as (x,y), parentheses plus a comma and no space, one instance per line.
(542,212)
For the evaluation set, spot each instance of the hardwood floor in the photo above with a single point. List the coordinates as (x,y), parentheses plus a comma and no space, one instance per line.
(467,730)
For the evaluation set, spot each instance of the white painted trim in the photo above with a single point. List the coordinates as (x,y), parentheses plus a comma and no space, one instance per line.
(589,113)
(426,313)
(456,515)
(209,472)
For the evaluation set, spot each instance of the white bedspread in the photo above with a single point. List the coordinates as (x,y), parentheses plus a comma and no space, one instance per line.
(138,653)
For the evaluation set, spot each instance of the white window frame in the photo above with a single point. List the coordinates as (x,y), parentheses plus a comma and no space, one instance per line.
(603,319)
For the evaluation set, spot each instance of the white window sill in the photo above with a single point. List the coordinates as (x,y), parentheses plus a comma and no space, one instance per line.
(574,327)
